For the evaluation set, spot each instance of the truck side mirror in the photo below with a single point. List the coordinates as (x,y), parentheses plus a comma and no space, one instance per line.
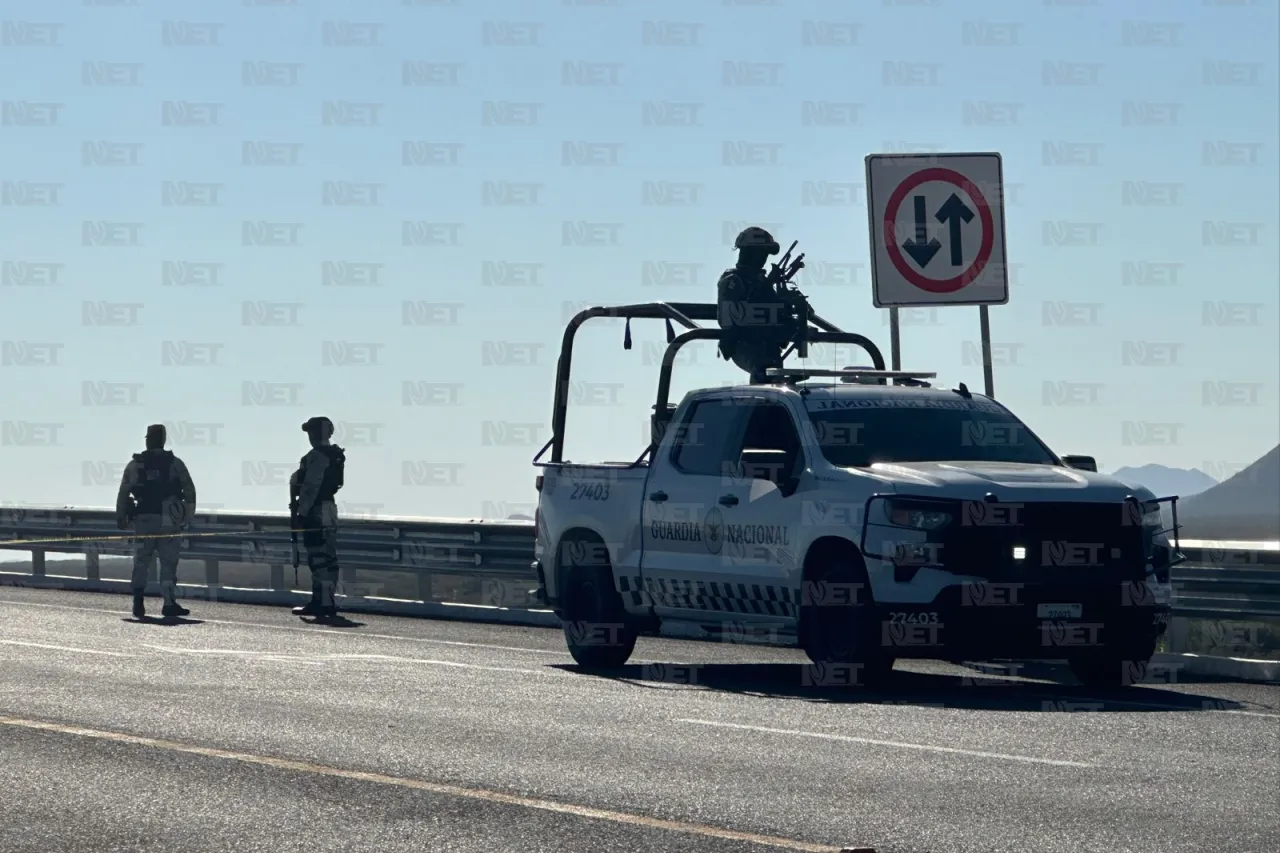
(659,422)
(1081,463)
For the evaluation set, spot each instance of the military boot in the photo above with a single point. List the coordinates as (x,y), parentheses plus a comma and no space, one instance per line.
(312,607)
(327,608)
(174,610)
(139,607)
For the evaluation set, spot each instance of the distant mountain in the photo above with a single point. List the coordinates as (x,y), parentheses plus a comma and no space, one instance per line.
(519,517)
(1246,506)
(1165,481)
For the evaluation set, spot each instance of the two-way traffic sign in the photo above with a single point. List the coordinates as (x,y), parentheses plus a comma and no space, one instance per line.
(937,229)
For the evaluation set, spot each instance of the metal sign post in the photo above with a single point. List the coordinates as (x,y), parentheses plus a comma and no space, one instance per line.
(895,345)
(988,381)
(937,237)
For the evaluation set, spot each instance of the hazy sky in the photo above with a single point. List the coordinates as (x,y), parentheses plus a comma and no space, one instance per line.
(1121,139)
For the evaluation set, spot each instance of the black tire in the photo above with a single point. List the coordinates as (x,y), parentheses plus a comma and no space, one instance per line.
(1105,668)
(838,622)
(596,628)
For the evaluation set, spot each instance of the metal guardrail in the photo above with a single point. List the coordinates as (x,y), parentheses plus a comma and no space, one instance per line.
(1219,580)
(498,554)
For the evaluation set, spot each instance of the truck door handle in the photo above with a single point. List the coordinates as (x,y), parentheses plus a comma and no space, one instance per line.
(728,500)
(658,497)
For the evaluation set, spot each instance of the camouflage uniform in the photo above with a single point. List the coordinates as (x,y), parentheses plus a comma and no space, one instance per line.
(750,311)
(317,480)
(158,497)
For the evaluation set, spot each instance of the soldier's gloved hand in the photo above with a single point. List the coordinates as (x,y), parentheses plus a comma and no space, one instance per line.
(122,523)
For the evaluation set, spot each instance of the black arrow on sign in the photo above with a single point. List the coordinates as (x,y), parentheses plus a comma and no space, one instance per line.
(954,210)
(921,249)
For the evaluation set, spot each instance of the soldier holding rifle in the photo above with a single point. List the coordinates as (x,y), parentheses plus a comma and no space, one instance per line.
(759,314)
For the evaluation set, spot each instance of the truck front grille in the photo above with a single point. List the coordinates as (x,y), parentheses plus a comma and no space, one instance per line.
(1049,543)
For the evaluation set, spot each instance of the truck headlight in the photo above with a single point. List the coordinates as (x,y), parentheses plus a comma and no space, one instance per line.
(918,515)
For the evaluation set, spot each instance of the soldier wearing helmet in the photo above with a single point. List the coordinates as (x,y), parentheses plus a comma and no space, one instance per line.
(750,310)
(316,482)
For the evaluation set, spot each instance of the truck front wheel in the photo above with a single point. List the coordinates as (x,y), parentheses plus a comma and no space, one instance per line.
(838,622)
(1104,668)
(596,627)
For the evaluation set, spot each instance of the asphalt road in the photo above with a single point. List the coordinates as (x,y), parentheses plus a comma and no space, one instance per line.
(245,729)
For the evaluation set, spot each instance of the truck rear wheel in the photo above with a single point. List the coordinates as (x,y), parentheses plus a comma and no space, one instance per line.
(838,622)
(596,627)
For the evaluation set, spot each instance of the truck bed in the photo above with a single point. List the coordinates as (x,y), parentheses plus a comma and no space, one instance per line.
(604,498)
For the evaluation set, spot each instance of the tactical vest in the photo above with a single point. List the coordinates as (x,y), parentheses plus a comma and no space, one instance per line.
(735,330)
(156,482)
(333,475)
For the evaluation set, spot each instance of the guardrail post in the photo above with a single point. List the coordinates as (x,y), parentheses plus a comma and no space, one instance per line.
(92,570)
(348,583)
(424,588)
(37,563)
(277,579)
(1179,635)
(211,578)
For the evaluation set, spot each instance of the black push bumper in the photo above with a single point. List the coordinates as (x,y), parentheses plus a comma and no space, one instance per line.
(1023,621)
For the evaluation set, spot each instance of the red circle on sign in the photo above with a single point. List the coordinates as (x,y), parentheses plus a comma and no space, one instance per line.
(934,285)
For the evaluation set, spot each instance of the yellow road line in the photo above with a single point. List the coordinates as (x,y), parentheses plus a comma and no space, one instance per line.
(431,787)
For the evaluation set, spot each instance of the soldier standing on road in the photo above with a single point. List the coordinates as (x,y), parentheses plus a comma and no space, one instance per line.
(750,311)
(158,497)
(317,481)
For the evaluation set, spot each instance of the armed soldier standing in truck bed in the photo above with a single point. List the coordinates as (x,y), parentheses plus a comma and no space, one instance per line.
(317,481)
(749,308)
(158,499)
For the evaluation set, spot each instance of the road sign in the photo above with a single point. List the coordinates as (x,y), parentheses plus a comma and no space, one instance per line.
(937,229)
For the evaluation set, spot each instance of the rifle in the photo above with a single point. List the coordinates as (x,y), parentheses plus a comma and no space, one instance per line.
(293,528)
(795,303)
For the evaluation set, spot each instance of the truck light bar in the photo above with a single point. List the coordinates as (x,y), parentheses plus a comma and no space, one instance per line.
(849,374)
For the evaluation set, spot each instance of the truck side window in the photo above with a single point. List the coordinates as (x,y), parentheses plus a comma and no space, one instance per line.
(705,439)
(772,428)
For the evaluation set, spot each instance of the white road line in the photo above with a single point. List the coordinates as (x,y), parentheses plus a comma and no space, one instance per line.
(395,659)
(319,659)
(66,649)
(898,744)
(485,795)
(251,656)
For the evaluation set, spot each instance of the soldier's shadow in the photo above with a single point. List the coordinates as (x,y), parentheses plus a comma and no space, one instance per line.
(337,622)
(167,621)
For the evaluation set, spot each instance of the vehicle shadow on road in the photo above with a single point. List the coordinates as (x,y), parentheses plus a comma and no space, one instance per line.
(972,691)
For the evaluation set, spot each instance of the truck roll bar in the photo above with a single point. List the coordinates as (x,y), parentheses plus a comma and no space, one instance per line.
(684,313)
(663,411)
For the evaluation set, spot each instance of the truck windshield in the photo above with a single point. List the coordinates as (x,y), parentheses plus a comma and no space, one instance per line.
(892,430)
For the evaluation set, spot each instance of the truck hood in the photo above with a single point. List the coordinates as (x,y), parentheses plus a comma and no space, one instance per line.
(1007,480)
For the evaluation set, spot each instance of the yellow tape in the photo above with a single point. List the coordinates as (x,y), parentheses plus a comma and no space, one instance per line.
(130,536)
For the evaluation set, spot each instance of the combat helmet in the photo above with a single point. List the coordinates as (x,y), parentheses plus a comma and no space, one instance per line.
(319,424)
(754,237)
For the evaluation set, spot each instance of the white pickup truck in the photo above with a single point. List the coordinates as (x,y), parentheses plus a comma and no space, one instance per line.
(860,520)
